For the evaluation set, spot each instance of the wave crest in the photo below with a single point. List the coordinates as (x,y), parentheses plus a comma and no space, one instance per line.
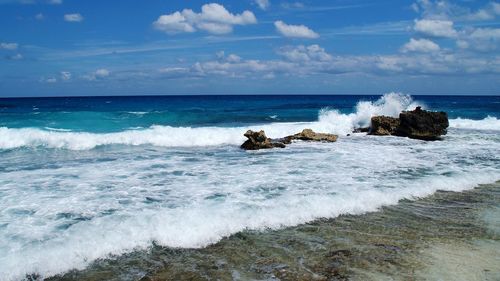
(489,123)
(329,121)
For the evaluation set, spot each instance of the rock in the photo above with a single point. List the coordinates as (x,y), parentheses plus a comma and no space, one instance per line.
(422,124)
(383,125)
(416,124)
(361,130)
(259,140)
(310,135)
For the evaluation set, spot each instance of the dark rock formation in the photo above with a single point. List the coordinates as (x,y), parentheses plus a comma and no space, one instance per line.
(416,124)
(384,125)
(259,140)
(422,124)
(310,135)
(361,130)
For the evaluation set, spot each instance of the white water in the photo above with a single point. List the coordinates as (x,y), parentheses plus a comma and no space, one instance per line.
(488,123)
(329,120)
(62,209)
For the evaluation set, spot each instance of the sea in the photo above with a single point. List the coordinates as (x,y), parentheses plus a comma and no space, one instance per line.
(90,179)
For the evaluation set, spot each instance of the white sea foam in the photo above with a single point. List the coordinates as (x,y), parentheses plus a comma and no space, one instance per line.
(331,121)
(488,123)
(57,129)
(61,211)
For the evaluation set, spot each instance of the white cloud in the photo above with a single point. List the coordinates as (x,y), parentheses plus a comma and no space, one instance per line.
(213,18)
(296,31)
(233,58)
(263,4)
(65,75)
(55,2)
(8,46)
(230,58)
(480,39)
(446,10)
(50,80)
(73,17)
(97,75)
(486,34)
(101,73)
(301,61)
(435,28)
(420,45)
(173,23)
(39,16)
(305,53)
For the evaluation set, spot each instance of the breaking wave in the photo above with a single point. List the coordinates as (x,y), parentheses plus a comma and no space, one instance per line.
(329,121)
(488,123)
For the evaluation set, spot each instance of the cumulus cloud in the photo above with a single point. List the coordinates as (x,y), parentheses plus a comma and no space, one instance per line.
(8,46)
(97,75)
(229,58)
(65,75)
(480,39)
(101,73)
(213,18)
(446,10)
(263,4)
(420,45)
(295,31)
(73,17)
(311,60)
(435,28)
(303,53)
(39,16)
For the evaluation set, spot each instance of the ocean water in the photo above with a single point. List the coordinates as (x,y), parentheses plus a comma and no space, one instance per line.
(85,178)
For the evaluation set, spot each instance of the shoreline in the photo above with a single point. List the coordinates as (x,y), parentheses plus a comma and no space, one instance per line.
(409,240)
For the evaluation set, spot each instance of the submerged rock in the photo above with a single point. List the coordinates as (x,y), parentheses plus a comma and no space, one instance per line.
(383,125)
(259,140)
(422,124)
(416,124)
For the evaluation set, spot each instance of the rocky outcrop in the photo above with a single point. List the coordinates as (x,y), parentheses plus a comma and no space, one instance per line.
(259,140)
(310,135)
(383,125)
(416,124)
(422,124)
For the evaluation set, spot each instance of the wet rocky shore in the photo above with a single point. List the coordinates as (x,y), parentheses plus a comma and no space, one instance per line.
(415,124)
(447,236)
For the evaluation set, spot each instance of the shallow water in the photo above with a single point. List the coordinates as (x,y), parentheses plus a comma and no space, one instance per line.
(447,236)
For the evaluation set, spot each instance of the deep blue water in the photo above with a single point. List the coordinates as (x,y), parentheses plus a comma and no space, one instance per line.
(112,114)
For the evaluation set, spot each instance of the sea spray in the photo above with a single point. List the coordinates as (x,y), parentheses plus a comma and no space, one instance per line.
(329,121)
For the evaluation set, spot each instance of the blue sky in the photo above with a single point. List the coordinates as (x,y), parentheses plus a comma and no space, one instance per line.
(132,47)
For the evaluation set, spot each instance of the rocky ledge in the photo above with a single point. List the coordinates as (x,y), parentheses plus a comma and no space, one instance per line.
(259,140)
(416,124)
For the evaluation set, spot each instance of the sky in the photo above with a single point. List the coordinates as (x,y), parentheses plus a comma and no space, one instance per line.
(179,47)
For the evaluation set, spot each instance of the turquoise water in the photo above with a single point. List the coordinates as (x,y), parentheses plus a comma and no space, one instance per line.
(112,114)
(84,178)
